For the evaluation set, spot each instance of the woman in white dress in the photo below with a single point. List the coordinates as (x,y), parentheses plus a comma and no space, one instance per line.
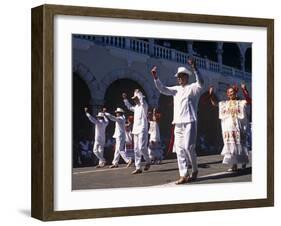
(234,122)
(155,150)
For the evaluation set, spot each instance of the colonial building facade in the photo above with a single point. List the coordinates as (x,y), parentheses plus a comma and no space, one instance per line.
(101,61)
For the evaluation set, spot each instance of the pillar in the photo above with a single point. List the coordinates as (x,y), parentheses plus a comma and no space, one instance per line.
(151,47)
(190,48)
(219,54)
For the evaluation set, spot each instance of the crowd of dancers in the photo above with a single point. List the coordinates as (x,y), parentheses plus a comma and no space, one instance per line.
(141,135)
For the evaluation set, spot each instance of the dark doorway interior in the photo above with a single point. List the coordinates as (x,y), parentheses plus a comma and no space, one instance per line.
(82,129)
(209,138)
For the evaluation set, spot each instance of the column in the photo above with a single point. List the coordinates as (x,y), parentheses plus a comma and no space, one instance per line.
(151,47)
(127,43)
(190,48)
(219,54)
(242,62)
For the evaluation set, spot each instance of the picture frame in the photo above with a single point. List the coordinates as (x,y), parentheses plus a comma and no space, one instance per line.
(43,182)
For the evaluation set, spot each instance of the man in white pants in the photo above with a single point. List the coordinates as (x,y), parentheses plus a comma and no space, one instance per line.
(186,98)
(119,135)
(140,129)
(101,123)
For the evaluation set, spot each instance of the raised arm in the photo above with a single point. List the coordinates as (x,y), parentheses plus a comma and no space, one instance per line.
(213,98)
(105,118)
(168,91)
(199,79)
(91,118)
(246,94)
(127,103)
(110,116)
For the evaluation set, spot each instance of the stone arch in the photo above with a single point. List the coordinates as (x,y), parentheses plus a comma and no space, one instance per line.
(232,55)
(206,49)
(127,73)
(87,76)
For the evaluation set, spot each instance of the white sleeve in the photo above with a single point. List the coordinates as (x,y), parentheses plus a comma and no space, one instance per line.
(168,91)
(91,118)
(128,105)
(198,78)
(111,117)
(222,110)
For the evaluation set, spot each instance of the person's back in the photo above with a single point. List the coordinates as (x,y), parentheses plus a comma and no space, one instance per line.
(100,128)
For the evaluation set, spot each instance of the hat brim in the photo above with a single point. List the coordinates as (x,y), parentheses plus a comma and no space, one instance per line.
(184,73)
(119,111)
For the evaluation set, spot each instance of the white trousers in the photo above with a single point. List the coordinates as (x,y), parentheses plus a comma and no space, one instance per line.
(185,142)
(140,149)
(98,151)
(119,151)
(155,151)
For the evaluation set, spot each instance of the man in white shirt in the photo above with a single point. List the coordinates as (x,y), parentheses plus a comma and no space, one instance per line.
(101,123)
(140,129)
(119,135)
(186,98)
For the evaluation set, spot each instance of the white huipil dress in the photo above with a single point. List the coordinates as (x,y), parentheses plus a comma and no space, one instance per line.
(154,148)
(232,114)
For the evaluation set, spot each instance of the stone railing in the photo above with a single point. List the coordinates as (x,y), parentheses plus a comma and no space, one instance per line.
(143,47)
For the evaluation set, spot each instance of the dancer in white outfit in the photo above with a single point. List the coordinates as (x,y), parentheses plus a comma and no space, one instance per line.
(155,150)
(101,123)
(119,135)
(186,98)
(234,123)
(129,144)
(140,129)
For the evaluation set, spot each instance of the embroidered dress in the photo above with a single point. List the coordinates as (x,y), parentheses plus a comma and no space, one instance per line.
(234,131)
(155,150)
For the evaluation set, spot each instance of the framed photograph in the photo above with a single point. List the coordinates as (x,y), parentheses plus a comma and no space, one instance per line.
(142,112)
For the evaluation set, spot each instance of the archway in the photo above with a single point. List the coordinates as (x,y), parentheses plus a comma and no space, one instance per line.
(81,128)
(248,60)
(112,100)
(231,55)
(80,98)
(165,107)
(209,139)
(206,49)
(143,81)
(113,97)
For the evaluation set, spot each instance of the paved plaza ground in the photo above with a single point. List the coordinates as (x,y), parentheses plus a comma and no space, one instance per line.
(211,170)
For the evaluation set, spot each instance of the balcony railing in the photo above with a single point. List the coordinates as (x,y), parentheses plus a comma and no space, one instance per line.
(143,47)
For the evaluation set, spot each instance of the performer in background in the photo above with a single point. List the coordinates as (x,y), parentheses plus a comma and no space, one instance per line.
(155,150)
(234,123)
(186,98)
(140,129)
(101,123)
(129,144)
(119,135)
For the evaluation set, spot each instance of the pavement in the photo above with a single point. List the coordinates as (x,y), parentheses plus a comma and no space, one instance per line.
(211,170)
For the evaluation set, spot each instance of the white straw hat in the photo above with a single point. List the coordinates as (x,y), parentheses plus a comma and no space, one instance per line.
(100,115)
(138,94)
(183,70)
(119,110)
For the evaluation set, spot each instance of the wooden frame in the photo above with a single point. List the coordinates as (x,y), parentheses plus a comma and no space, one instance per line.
(43,107)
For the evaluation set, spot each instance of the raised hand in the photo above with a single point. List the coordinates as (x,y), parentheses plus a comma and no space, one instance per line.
(86,109)
(124,95)
(192,63)
(243,86)
(104,110)
(211,90)
(154,72)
